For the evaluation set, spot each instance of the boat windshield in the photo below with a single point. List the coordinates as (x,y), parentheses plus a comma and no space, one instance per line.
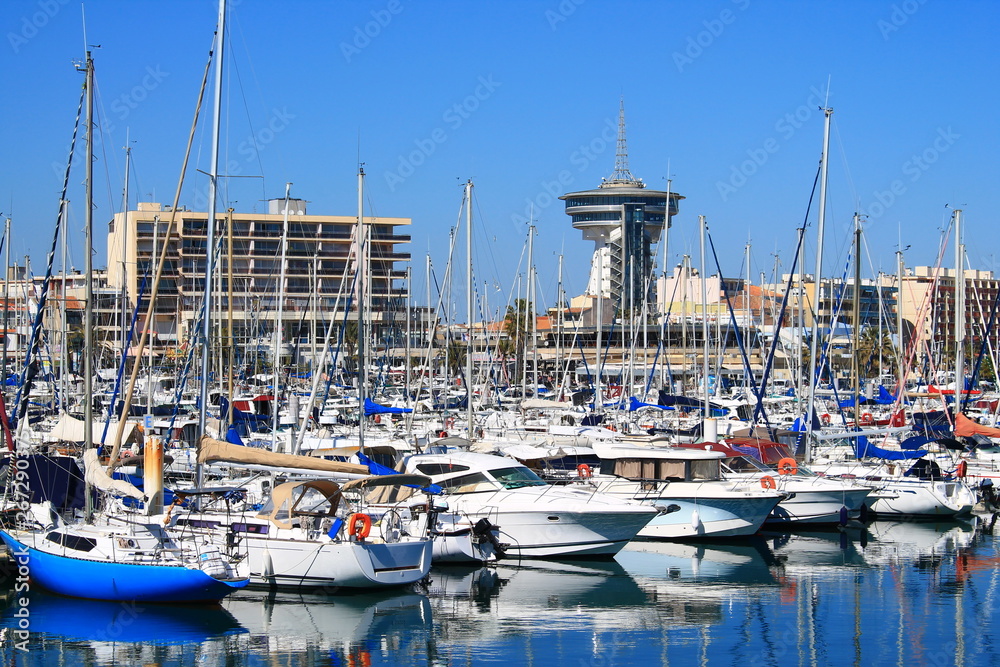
(475,482)
(517,477)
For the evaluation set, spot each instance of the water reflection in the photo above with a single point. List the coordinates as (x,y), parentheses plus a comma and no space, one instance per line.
(889,592)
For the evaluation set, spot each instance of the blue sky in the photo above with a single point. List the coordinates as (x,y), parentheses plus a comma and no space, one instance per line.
(522,98)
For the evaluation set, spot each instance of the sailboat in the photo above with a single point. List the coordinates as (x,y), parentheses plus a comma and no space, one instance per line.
(118,558)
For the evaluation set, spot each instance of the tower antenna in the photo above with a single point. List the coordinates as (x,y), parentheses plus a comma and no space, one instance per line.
(622,173)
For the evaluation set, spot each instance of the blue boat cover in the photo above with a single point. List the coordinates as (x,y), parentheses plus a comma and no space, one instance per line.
(377,468)
(915,441)
(233,436)
(863,449)
(634,404)
(56,478)
(373,408)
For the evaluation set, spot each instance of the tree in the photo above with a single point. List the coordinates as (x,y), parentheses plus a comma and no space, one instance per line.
(516,327)
(873,343)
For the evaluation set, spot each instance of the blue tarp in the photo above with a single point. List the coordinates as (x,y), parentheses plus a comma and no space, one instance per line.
(376,468)
(849,402)
(373,408)
(634,404)
(233,436)
(916,441)
(863,448)
(884,397)
(54,478)
(936,420)
(240,417)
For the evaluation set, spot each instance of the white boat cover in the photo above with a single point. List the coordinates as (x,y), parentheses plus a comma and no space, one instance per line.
(95,475)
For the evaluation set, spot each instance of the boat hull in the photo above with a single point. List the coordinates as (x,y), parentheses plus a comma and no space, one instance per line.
(709,517)
(108,580)
(289,563)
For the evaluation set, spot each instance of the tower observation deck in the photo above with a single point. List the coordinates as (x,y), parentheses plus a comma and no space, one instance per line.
(624,219)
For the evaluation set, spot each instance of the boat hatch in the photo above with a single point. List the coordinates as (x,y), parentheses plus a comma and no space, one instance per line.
(74,542)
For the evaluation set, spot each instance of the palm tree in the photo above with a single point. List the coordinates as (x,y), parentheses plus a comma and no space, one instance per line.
(516,328)
(874,348)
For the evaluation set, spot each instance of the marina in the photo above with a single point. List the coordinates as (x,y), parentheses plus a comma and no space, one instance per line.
(894,592)
(266,433)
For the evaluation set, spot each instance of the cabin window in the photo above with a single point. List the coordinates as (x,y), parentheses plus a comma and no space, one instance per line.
(517,477)
(432,469)
(658,469)
(255,528)
(476,482)
(705,470)
(312,501)
(72,541)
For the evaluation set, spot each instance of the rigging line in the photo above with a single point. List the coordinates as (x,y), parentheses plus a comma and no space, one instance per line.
(847,170)
(99,126)
(235,18)
(484,236)
(25,385)
(784,301)
(739,337)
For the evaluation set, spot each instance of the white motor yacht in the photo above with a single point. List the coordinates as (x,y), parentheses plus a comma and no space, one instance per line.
(533,518)
(687,487)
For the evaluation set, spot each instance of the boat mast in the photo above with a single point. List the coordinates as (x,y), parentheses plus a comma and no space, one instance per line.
(959,313)
(532,295)
(409,335)
(124,295)
(818,281)
(278,329)
(213,175)
(901,353)
(64,327)
(469,314)
(88,317)
(856,319)
(747,311)
(709,432)
(149,323)
(6,297)
(362,266)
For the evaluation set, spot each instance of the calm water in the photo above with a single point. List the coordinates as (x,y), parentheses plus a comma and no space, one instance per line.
(892,594)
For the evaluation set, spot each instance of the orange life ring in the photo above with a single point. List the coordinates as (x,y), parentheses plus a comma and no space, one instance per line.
(787,466)
(867,419)
(825,419)
(768,482)
(962,469)
(584,471)
(360,525)
(442,434)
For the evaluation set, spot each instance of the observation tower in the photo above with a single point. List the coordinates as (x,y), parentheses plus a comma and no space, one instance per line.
(624,219)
